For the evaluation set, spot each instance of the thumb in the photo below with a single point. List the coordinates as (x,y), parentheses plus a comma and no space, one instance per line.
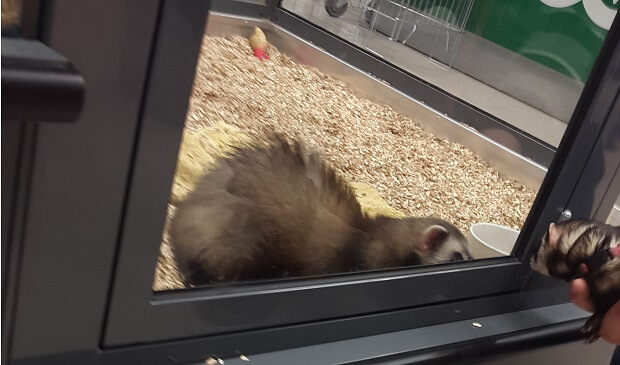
(580,295)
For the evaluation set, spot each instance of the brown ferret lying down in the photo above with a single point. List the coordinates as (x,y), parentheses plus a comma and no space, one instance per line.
(278,210)
(586,249)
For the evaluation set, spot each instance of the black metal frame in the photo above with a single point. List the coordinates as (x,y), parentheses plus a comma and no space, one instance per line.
(107,234)
(341,342)
(63,255)
(274,303)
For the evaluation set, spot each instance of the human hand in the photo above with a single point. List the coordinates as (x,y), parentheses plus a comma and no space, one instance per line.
(610,328)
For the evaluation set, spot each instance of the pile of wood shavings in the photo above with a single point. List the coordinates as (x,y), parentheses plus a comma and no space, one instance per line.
(416,172)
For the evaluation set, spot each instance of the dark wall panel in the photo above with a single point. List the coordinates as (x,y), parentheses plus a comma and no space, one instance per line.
(80,176)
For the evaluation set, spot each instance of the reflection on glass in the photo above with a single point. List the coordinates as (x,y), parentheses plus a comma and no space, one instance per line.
(336,196)
(11,10)
(614,216)
(530,57)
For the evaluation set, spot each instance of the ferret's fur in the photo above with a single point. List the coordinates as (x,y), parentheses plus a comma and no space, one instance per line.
(568,245)
(279,210)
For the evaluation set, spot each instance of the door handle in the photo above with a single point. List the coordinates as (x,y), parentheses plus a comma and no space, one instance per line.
(38,84)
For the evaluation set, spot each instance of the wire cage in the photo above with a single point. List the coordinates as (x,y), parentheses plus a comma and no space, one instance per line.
(434,27)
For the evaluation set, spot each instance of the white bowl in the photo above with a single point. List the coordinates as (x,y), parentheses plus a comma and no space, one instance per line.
(491,240)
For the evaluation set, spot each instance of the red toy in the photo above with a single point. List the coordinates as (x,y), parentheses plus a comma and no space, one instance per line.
(258,42)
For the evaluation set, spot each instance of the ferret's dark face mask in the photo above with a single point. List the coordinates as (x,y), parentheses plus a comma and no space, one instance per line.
(439,247)
(548,244)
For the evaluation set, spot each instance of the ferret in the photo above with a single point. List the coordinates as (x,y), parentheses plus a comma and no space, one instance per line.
(584,249)
(279,210)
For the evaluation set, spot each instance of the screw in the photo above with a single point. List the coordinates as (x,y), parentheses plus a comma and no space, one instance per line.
(566,215)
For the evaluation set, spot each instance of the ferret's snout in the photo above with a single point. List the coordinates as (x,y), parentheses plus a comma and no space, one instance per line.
(456,257)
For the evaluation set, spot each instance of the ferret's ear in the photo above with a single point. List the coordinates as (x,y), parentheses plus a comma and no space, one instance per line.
(434,236)
(553,235)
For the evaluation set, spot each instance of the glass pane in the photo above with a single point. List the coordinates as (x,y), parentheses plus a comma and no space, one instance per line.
(380,180)
(614,215)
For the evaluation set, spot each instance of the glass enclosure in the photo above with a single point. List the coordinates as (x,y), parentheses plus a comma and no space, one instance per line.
(373,184)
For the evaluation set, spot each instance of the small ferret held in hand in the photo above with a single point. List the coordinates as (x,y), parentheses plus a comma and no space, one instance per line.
(584,249)
(279,210)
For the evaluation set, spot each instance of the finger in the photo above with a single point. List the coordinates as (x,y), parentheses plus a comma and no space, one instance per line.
(610,329)
(580,295)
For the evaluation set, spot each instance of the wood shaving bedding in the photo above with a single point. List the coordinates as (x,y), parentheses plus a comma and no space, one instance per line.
(416,172)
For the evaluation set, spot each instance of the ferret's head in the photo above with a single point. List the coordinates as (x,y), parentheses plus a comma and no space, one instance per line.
(550,259)
(548,244)
(417,241)
(442,242)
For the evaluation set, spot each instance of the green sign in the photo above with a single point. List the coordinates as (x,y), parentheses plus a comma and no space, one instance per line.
(564,35)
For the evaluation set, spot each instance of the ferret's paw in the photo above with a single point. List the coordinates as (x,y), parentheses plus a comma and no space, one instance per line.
(592,338)
(591,329)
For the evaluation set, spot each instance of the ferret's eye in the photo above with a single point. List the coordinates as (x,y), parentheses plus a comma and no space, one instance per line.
(457,257)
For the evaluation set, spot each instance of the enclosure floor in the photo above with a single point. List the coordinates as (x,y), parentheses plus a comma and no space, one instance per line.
(475,92)
(416,172)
